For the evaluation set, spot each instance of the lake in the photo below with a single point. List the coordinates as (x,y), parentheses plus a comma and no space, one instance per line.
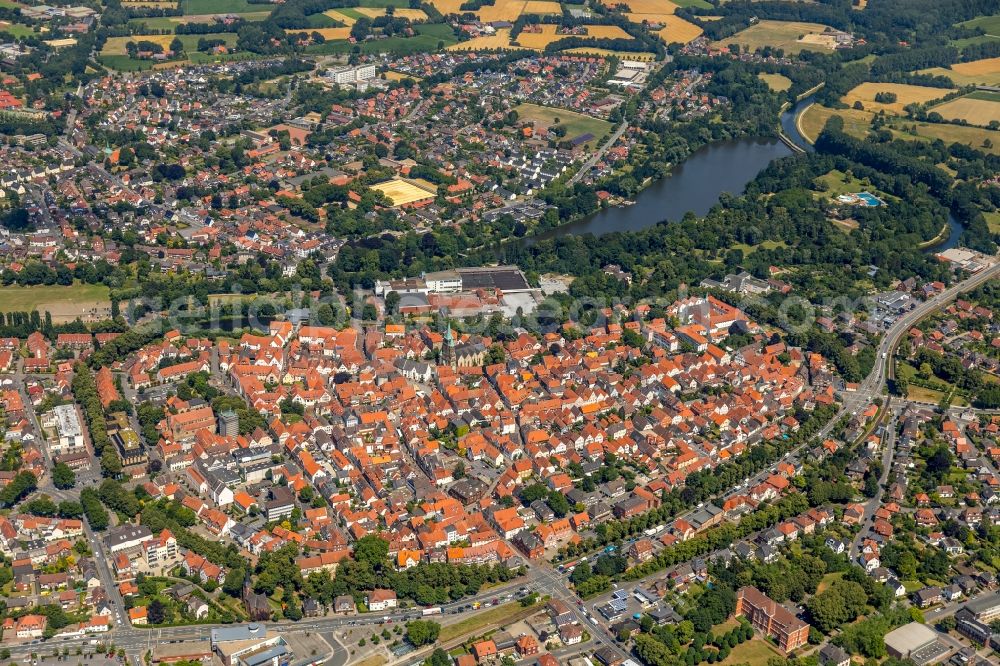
(694,185)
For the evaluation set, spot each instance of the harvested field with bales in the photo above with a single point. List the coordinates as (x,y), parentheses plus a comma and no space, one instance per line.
(406,191)
(787,35)
(905,94)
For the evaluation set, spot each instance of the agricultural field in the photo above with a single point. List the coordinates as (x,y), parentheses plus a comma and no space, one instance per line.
(813,119)
(403,192)
(776,82)
(171,22)
(115,46)
(151,4)
(401,12)
(977,108)
(646,6)
(905,94)
(576,124)
(676,29)
(984,72)
(989,24)
(499,40)
(329,34)
(858,123)
(219,7)
(547,35)
(787,35)
(586,50)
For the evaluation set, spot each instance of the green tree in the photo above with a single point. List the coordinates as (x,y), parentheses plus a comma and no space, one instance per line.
(422,632)
(63,476)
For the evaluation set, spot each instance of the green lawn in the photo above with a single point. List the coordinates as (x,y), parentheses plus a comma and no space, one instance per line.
(692,3)
(477,620)
(756,652)
(838,183)
(993,219)
(576,124)
(219,7)
(18,30)
(829,580)
(26,299)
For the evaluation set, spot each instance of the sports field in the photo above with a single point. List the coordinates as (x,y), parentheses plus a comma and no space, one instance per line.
(787,35)
(905,94)
(984,72)
(576,124)
(403,192)
(776,82)
(978,108)
(87,301)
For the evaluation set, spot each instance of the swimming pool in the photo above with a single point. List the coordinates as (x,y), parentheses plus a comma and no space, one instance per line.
(869,199)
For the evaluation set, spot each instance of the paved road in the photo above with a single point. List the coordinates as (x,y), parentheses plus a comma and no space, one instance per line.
(888,450)
(598,154)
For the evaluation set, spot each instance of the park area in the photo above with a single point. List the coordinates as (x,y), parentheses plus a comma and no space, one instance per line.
(776,82)
(791,36)
(576,124)
(89,302)
(977,108)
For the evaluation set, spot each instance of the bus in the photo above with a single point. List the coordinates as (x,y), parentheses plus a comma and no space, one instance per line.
(434,610)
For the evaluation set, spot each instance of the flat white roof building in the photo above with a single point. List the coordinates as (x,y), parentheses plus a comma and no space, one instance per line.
(69,430)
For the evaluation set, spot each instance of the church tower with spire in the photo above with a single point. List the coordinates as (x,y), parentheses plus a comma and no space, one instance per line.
(448,348)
